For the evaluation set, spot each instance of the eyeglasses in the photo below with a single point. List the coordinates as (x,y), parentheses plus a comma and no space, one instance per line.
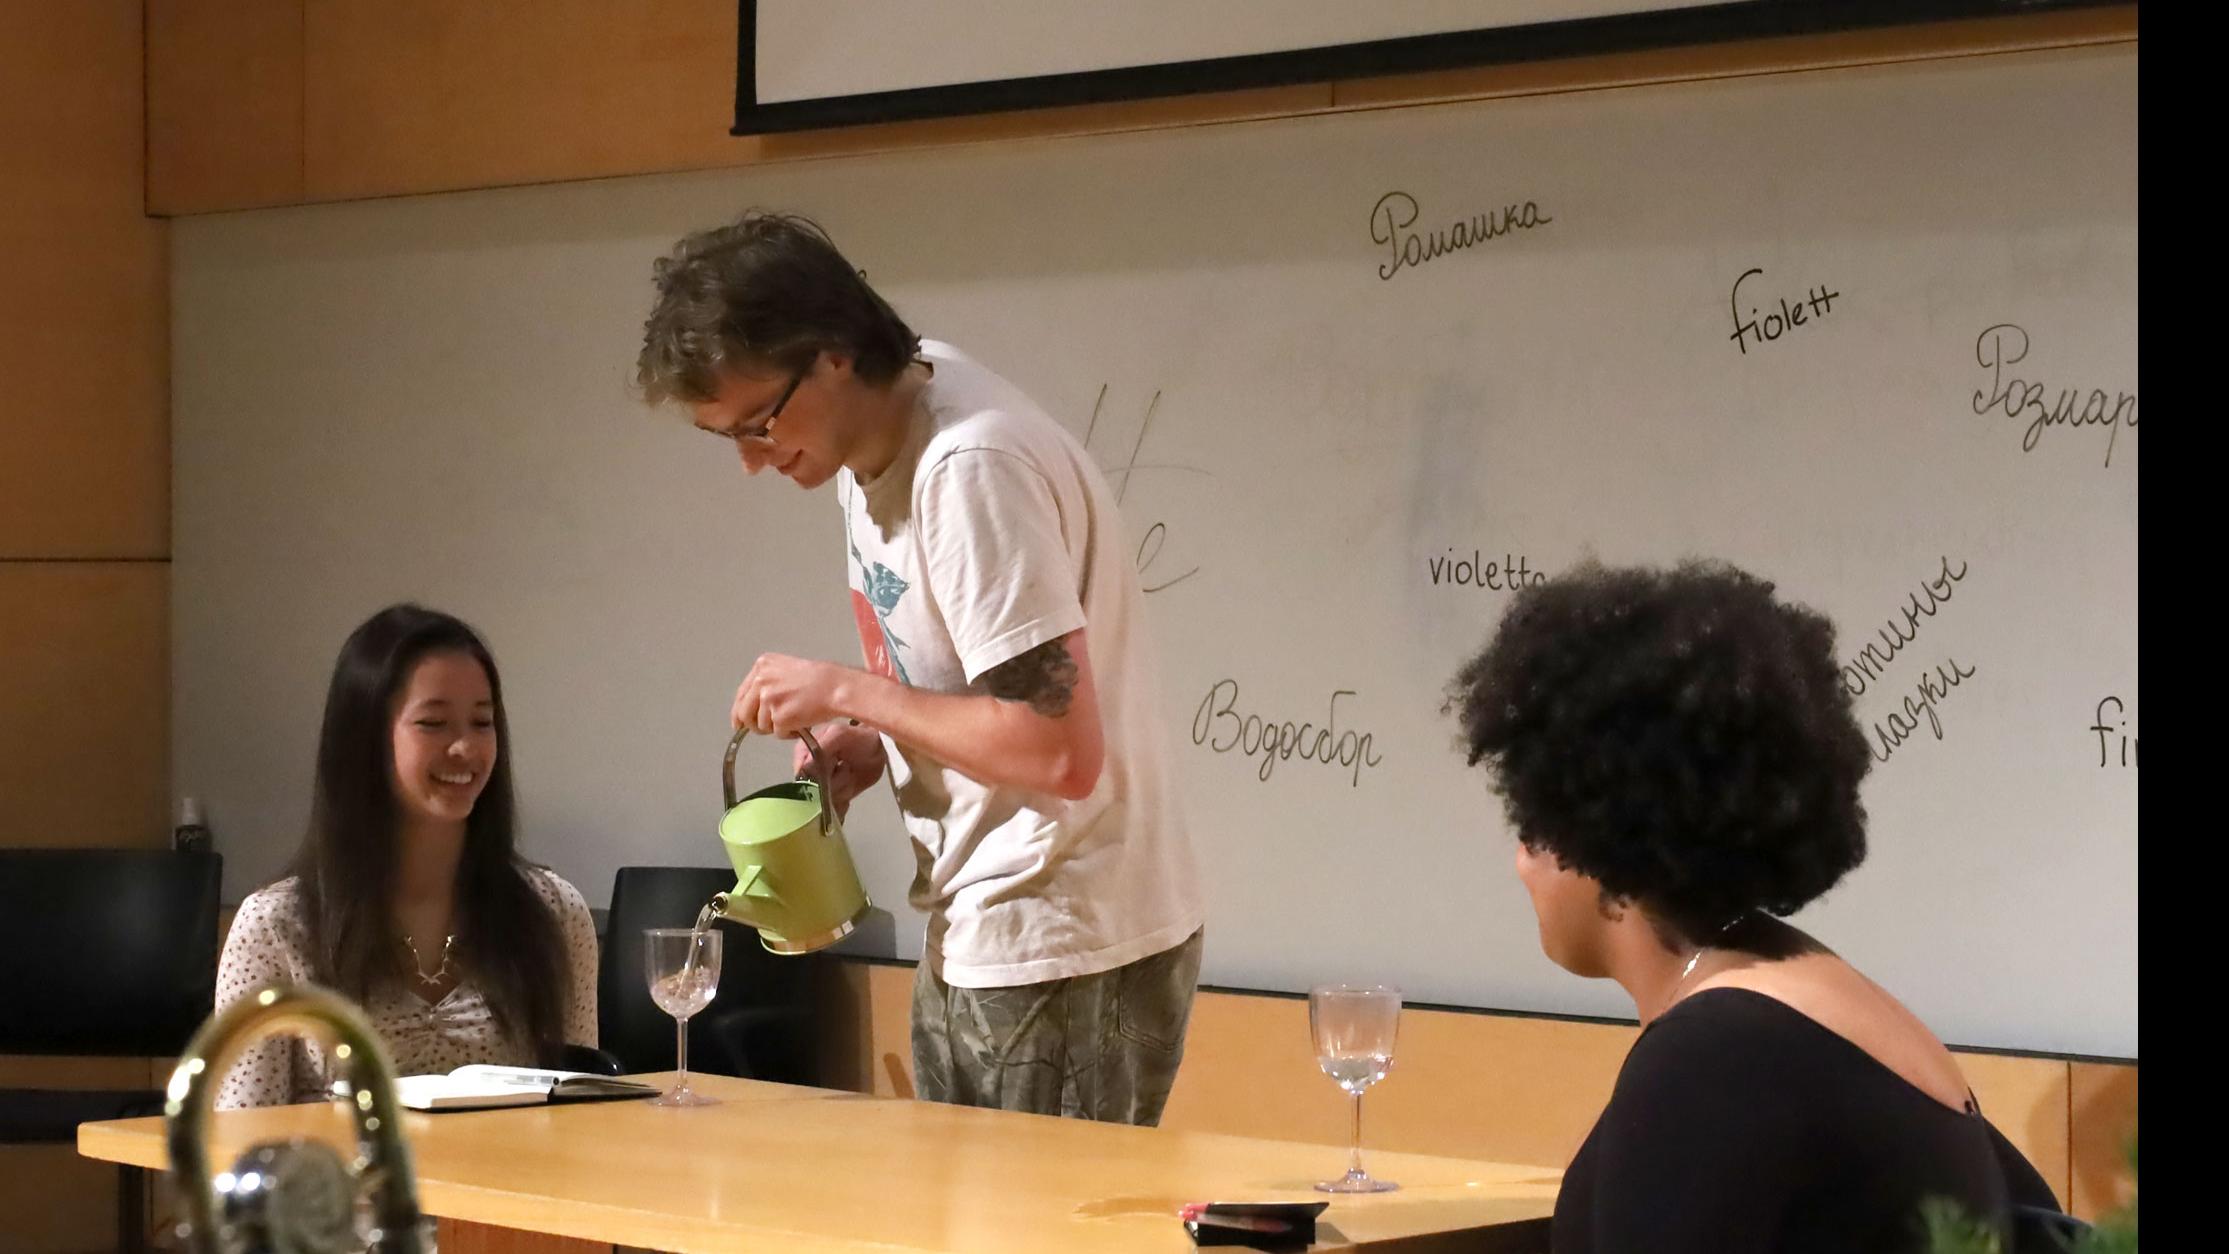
(761,432)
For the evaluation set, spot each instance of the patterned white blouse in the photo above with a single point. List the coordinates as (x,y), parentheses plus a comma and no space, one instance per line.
(268,944)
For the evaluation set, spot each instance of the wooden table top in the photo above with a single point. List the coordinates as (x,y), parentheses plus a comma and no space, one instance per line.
(780,1167)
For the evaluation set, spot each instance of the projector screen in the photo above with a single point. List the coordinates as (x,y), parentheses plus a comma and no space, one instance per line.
(803,64)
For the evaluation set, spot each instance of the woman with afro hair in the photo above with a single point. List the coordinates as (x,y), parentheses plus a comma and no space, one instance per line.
(1681,765)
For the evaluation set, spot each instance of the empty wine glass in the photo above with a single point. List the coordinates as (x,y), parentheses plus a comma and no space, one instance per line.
(1354,1027)
(683,965)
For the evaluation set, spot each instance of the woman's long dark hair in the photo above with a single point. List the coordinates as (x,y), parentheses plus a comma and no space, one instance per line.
(508,942)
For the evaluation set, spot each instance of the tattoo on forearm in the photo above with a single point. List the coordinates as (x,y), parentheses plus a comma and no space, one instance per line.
(1045,677)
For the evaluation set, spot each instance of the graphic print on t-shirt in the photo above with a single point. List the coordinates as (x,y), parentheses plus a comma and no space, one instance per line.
(871,610)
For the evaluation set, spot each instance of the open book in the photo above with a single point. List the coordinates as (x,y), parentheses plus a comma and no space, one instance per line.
(485,1085)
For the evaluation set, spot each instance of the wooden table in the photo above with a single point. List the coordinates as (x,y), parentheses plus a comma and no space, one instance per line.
(778,1167)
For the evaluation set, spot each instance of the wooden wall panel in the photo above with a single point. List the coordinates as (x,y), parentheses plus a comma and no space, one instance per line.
(2027,1099)
(421,95)
(425,95)
(55,1201)
(84,703)
(84,384)
(224,104)
(2101,1124)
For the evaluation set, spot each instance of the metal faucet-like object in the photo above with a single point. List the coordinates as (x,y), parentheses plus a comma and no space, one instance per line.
(295,1196)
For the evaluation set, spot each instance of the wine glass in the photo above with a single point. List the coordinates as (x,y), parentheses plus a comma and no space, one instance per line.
(683,965)
(1354,1026)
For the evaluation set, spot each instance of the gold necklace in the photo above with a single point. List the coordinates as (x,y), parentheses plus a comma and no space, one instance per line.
(1697,956)
(418,964)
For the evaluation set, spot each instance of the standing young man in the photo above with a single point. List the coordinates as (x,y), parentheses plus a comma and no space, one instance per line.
(1009,685)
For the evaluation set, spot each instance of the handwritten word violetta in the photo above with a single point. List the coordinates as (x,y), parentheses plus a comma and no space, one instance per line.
(1815,304)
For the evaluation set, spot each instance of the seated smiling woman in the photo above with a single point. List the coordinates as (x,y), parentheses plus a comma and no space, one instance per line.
(408,894)
(1681,765)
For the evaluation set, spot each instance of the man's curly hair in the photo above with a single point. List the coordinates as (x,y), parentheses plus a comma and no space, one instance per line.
(1678,735)
(768,290)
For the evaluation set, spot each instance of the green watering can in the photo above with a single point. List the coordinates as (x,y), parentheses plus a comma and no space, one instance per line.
(794,878)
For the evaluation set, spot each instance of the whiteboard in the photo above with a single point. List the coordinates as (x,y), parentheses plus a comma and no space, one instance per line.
(1346,371)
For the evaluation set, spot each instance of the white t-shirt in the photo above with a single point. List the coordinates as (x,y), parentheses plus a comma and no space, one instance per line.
(992,533)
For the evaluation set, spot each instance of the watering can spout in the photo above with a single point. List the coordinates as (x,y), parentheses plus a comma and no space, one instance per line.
(725,905)
(752,901)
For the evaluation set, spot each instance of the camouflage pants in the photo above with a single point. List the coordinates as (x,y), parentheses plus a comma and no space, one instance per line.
(1102,1046)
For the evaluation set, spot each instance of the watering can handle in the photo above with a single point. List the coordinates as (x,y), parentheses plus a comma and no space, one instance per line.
(727,772)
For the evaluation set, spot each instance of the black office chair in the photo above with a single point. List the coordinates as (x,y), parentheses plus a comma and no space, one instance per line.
(109,952)
(762,1025)
(2038,1225)
(2041,1230)
(590,1059)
